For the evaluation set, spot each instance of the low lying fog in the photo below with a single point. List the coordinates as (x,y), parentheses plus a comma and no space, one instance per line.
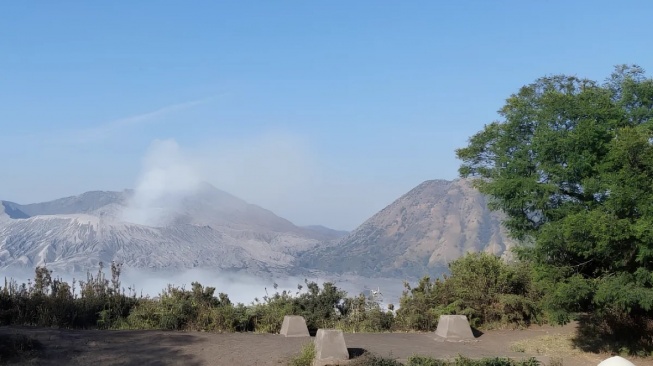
(241,288)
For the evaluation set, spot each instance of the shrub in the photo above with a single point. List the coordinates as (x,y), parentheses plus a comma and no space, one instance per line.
(321,308)
(481,286)
(52,302)
(364,314)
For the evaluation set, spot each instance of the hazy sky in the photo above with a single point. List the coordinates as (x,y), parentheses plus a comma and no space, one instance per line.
(322,111)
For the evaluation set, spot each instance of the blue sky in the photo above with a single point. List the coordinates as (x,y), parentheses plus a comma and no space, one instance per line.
(323,112)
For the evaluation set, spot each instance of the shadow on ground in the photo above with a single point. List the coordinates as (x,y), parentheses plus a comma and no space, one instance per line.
(477,333)
(16,348)
(88,347)
(615,335)
(356,352)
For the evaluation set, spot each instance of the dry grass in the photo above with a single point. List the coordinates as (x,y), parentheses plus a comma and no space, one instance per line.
(555,345)
(305,358)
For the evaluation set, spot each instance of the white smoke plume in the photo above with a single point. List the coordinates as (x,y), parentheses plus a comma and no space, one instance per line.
(168,175)
(277,171)
(271,170)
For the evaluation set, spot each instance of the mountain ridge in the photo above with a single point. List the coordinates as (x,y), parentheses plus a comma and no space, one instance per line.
(207,228)
(417,234)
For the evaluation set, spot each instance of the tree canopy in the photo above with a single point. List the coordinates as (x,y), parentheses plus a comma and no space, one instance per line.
(571,165)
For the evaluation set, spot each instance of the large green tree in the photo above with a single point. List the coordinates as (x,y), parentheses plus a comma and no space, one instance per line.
(571,164)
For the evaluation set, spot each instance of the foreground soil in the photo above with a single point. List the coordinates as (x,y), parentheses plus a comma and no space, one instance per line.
(94,347)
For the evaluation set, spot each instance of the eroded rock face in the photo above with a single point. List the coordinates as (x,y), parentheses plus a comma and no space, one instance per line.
(418,234)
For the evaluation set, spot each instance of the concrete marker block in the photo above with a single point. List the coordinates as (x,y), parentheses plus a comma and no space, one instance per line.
(294,326)
(454,327)
(330,348)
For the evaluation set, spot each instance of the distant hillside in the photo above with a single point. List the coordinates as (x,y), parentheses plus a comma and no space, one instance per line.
(87,202)
(325,232)
(418,234)
(12,210)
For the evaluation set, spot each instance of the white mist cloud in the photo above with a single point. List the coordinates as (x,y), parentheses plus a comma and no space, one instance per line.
(268,170)
(284,173)
(277,171)
(167,176)
(241,287)
(245,288)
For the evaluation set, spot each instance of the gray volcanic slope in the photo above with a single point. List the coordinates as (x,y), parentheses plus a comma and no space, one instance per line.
(208,228)
(417,234)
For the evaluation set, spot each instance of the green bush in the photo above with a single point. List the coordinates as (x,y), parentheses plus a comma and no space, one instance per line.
(321,308)
(52,302)
(481,286)
(364,314)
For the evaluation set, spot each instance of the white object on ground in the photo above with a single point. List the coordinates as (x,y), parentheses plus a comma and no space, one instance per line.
(616,361)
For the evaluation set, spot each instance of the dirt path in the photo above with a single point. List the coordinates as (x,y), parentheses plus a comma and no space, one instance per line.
(92,347)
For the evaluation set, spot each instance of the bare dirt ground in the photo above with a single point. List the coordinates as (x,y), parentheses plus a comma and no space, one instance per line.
(94,347)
